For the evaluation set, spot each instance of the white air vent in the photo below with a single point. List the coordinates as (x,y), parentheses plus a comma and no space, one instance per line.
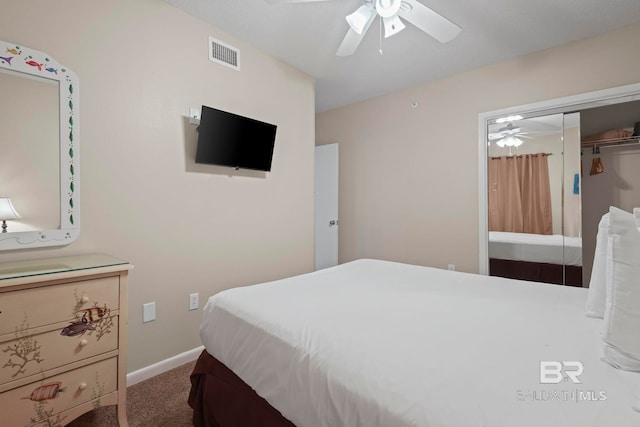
(224,54)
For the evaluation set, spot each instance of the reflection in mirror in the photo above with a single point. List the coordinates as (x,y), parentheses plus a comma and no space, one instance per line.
(39,166)
(533,199)
(29,170)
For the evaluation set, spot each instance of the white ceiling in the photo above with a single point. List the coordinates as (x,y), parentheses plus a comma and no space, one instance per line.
(306,36)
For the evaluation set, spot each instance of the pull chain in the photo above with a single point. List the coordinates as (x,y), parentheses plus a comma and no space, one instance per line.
(380,50)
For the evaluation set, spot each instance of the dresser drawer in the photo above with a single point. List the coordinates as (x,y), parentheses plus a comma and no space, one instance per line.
(73,413)
(27,355)
(30,308)
(45,400)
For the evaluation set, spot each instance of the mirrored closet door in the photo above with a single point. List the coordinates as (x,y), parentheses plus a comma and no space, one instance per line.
(534,202)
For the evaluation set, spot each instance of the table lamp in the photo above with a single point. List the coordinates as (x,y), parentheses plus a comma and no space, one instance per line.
(7,212)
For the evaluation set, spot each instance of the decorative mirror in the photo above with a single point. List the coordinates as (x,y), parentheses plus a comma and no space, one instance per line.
(39,163)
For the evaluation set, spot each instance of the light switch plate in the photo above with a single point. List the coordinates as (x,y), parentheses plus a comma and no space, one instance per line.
(148,312)
(193,301)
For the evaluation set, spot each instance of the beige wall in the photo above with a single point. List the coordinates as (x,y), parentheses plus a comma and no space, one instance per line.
(187,228)
(408,176)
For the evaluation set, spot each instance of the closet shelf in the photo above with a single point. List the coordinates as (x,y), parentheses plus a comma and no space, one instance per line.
(612,142)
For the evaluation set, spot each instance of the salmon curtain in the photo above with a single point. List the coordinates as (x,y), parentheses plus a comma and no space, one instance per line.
(519,194)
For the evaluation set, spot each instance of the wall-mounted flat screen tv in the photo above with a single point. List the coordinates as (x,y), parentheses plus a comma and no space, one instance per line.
(228,139)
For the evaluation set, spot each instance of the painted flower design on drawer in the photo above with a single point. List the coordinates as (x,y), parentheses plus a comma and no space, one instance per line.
(47,416)
(24,350)
(98,392)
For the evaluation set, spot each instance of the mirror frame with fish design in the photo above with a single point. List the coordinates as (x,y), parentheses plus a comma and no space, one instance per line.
(20,60)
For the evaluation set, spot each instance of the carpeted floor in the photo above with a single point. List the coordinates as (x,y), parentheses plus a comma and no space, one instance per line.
(159,401)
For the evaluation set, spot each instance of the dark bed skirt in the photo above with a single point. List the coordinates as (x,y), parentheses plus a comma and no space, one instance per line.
(536,271)
(219,398)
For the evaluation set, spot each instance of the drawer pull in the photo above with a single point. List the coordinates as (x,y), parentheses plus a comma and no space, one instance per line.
(83,343)
(84,299)
(82,386)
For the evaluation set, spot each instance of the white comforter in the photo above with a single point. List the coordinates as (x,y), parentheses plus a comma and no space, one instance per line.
(381,344)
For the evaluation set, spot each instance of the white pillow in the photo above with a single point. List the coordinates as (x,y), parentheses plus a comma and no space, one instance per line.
(596,299)
(622,312)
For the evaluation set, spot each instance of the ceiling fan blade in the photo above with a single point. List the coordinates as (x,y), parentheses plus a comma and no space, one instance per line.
(350,43)
(352,39)
(511,131)
(437,26)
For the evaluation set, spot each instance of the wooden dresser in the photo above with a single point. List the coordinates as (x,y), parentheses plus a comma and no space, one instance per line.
(63,339)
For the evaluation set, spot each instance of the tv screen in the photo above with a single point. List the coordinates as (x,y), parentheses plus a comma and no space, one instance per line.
(227,139)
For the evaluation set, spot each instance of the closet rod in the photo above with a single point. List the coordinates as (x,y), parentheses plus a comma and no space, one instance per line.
(615,142)
(520,155)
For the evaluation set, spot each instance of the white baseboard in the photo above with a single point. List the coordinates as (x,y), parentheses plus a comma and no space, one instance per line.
(163,366)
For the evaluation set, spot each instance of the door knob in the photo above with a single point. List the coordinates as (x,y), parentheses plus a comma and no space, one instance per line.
(333,222)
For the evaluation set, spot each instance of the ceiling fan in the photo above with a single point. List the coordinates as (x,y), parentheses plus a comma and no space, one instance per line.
(509,136)
(390,12)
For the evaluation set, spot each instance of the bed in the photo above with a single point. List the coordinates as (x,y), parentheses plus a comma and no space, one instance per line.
(543,258)
(377,343)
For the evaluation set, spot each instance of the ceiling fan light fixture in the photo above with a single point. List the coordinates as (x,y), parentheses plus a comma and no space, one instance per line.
(388,8)
(510,141)
(358,19)
(393,26)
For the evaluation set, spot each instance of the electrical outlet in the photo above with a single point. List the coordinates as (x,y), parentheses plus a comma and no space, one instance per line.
(148,312)
(451,267)
(193,301)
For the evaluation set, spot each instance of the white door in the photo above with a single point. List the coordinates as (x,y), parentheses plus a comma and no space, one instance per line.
(326,168)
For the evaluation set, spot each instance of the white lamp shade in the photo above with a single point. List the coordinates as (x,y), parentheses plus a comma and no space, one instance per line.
(358,19)
(510,141)
(392,26)
(7,211)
